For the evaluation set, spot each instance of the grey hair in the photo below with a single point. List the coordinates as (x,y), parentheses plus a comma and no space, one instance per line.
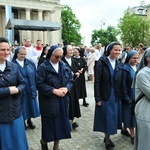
(57,49)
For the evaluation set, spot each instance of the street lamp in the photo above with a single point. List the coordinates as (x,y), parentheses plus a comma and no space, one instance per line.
(102,23)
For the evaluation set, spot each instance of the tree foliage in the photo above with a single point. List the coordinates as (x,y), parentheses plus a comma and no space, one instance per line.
(133,29)
(70,27)
(104,36)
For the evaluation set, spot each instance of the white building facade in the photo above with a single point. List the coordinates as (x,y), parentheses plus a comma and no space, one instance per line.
(41,10)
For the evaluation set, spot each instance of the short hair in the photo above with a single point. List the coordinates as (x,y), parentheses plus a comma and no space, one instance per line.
(2,39)
(38,41)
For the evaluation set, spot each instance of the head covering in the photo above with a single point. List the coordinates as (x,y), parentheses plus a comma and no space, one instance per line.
(65,50)
(17,51)
(130,54)
(50,51)
(110,47)
(142,64)
(143,61)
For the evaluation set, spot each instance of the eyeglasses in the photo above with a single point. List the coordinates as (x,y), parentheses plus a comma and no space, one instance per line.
(22,54)
(135,57)
(57,57)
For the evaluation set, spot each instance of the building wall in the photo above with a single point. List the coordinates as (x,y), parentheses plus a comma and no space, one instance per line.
(43,10)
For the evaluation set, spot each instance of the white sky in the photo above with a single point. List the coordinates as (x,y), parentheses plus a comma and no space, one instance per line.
(91,13)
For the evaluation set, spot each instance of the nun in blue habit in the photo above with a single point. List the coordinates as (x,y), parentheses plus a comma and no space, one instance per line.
(108,94)
(54,82)
(129,70)
(29,98)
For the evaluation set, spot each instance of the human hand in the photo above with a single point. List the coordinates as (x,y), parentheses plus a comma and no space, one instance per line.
(77,74)
(81,70)
(59,92)
(99,103)
(13,90)
(64,90)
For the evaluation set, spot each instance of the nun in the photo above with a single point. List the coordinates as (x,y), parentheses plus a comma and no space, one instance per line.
(129,70)
(29,98)
(54,82)
(142,108)
(108,94)
(74,106)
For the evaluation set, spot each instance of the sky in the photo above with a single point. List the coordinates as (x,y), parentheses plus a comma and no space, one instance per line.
(92,14)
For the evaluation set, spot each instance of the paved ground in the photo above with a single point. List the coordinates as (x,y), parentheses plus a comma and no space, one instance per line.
(83,138)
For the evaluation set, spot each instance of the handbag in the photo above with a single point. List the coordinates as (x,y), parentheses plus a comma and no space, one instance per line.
(134,102)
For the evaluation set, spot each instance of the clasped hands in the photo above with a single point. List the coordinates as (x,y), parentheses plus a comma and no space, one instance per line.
(61,92)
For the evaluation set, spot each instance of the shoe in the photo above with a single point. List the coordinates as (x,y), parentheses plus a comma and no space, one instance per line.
(109,147)
(74,125)
(43,146)
(126,133)
(86,104)
(30,124)
(111,143)
(132,140)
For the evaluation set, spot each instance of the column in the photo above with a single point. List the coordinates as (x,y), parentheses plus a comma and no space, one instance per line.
(45,18)
(28,16)
(40,18)
(51,32)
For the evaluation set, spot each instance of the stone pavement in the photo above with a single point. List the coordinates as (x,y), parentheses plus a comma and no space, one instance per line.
(83,137)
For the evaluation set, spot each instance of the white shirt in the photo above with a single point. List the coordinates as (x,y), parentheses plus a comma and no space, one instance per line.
(2,66)
(68,60)
(55,66)
(21,63)
(134,67)
(112,62)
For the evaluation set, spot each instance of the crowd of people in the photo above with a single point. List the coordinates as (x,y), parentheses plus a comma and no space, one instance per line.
(48,81)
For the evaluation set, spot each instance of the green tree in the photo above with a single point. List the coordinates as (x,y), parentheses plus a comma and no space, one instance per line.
(104,36)
(133,29)
(70,27)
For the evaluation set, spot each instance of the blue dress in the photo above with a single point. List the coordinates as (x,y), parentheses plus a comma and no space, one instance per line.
(129,94)
(29,102)
(107,117)
(15,134)
(57,128)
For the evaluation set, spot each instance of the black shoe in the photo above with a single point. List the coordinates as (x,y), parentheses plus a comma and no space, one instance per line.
(132,140)
(86,104)
(125,132)
(74,125)
(111,143)
(30,124)
(43,146)
(109,147)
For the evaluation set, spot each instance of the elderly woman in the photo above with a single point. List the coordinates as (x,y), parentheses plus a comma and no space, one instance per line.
(28,70)
(74,107)
(12,131)
(142,108)
(129,70)
(54,82)
(108,94)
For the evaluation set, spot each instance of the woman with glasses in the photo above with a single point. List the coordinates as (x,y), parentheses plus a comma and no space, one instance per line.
(54,83)
(29,99)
